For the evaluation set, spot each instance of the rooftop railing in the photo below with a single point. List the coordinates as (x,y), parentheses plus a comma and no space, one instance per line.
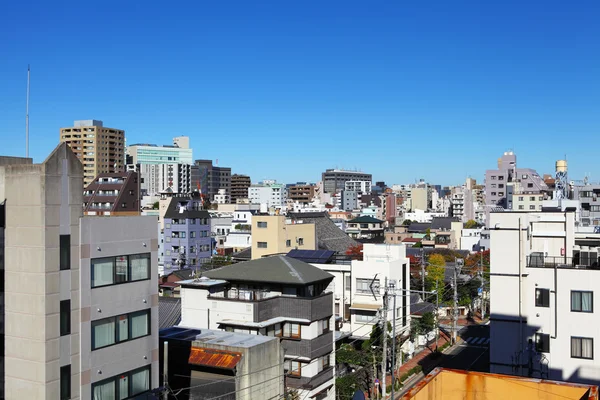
(578,262)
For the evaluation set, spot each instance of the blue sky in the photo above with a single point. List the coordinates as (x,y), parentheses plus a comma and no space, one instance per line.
(433,90)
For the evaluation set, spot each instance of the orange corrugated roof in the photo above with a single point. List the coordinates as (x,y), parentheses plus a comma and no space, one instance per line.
(214,358)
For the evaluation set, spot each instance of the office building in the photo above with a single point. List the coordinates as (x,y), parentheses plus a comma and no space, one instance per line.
(177,153)
(349,200)
(81,317)
(156,179)
(274,234)
(543,315)
(100,150)
(335,180)
(113,194)
(273,296)
(210,178)
(301,193)
(268,193)
(239,187)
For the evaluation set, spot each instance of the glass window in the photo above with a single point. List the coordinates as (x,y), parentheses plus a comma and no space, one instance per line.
(364,285)
(102,272)
(140,266)
(103,333)
(123,386)
(140,324)
(291,331)
(120,269)
(582,301)
(582,348)
(123,327)
(65,382)
(295,368)
(301,241)
(288,243)
(65,317)
(262,224)
(348,282)
(104,390)
(140,381)
(542,342)
(366,318)
(65,252)
(262,245)
(542,297)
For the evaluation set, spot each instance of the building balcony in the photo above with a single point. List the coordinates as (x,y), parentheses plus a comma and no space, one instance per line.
(588,260)
(314,348)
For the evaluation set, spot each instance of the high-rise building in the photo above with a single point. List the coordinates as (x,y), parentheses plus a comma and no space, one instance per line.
(270,193)
(177,153)
(239,187)
(100,150)
(210,178)
(302,193)
(334,179)
(175,179)
(82,318)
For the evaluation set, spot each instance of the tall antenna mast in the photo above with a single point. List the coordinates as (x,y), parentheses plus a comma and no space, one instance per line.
(27,116)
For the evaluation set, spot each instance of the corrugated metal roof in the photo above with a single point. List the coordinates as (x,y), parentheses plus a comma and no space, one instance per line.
(214,358)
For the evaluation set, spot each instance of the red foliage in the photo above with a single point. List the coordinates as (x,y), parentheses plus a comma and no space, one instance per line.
(355,252)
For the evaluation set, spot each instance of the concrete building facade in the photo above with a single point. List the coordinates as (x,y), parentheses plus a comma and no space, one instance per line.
(334,180)
(175,179)
(239,187)
(177,153)
(268,193)
(302,193)
(210,178)
(100,149)
(274,234)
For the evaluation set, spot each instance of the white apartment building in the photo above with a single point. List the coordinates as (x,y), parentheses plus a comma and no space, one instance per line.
(543,313)
(269,194)
(361,187)
(273,296)
(177,153)
(423,216)
(380,264)
(161,178)
(528,201)
(81,309)
(240,234)
(222,197)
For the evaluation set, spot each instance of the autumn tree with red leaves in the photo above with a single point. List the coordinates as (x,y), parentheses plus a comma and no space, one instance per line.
(355,252)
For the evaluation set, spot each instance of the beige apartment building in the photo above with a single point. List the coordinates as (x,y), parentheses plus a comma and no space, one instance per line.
(273,234)
(101,150)
(80,312)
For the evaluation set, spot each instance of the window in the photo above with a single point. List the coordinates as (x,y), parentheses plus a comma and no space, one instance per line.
(323,326)
(192,234)
(121,328)
(294,368)
(364,285)
(531,198)
(501,178)
(65,317)
(262,245)
(323,363)
(524,176)
(291,331)
(530,185)
(65,382)
(500,194)
(582,348)
(582,301)
(192,221)
(120,269)
(532,207)
(542,297)
(301,241)
(521,198)
(365,318)
(542,342)
(288,243)
(123,386)
(501,186)
(493,177)
(521,207)
(493,193)
(262,224)
(348,282)
(65,252)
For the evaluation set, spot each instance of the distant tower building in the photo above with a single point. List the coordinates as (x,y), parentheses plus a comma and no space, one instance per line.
(239,187)
(101,150)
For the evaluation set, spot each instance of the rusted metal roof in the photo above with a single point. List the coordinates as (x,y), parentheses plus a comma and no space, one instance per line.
(214,358)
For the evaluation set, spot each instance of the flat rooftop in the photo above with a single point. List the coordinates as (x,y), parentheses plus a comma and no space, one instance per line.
(214,337)
(202,282)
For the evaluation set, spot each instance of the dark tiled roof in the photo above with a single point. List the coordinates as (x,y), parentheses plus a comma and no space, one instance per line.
(419,227)
(365,220)
(169,311)
(173,209)
(421,308)
(245,254)
(184,274)
(275,269)
(329,236)
(442,223)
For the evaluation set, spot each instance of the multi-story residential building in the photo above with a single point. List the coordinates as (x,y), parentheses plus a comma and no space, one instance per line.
(301,193)
(100,150)
(543,278)
(239,235)
(210,178)
(268,193)
(588,194)
(420,198)
(175,179)
(366,228)
(84,325)
(239,187)
(381,264)
(222,197)
(349,200)
(272,296)
(358,186)
(389,209)
(177,153)
(334,180)
(528,202)
(274,234)
(113,194)
(508,180)
(186,234)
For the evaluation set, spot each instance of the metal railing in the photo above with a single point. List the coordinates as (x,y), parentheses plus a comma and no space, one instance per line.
(577,262)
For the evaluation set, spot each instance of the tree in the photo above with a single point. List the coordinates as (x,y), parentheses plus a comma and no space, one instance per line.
(418,245)
(406,222)
(427,234)
(470,224)
(355,252)
(436,273)
(155,205)
(427,322)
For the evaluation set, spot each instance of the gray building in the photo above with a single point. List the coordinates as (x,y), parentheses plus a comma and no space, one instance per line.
(82,319)
(588,194)
(335,180)
(349,200)
(210,178)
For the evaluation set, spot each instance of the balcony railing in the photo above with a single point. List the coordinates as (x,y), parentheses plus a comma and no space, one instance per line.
(577,262)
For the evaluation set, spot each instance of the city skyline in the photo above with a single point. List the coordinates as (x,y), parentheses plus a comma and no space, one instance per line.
(259,86)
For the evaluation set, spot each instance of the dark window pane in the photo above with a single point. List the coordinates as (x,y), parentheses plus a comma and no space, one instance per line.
(65,382)
(120,269)
(65,252)
(65,317)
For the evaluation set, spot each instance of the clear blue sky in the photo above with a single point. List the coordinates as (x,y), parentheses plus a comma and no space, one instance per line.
(286,89)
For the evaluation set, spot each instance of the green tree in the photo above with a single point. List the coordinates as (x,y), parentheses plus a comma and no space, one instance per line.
(435,273)
(427,234)
(427,322)
(470,224)
(155,205)
(406,222)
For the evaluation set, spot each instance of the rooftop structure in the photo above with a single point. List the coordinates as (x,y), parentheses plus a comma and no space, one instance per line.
(334,180)
(177,153)
(113,194)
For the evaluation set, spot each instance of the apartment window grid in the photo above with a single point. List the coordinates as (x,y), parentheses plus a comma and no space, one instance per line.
(121,328)
(582,347)
(542,297)
(120,269)
(582,301)
(364,285)
(123,385)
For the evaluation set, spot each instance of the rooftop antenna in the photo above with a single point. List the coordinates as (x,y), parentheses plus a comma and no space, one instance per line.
(27,115)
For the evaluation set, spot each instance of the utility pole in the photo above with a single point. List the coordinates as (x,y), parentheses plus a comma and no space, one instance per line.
(394,343)
(455,311)
(166,370)
(423,271)
(481,287)
(384,338)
